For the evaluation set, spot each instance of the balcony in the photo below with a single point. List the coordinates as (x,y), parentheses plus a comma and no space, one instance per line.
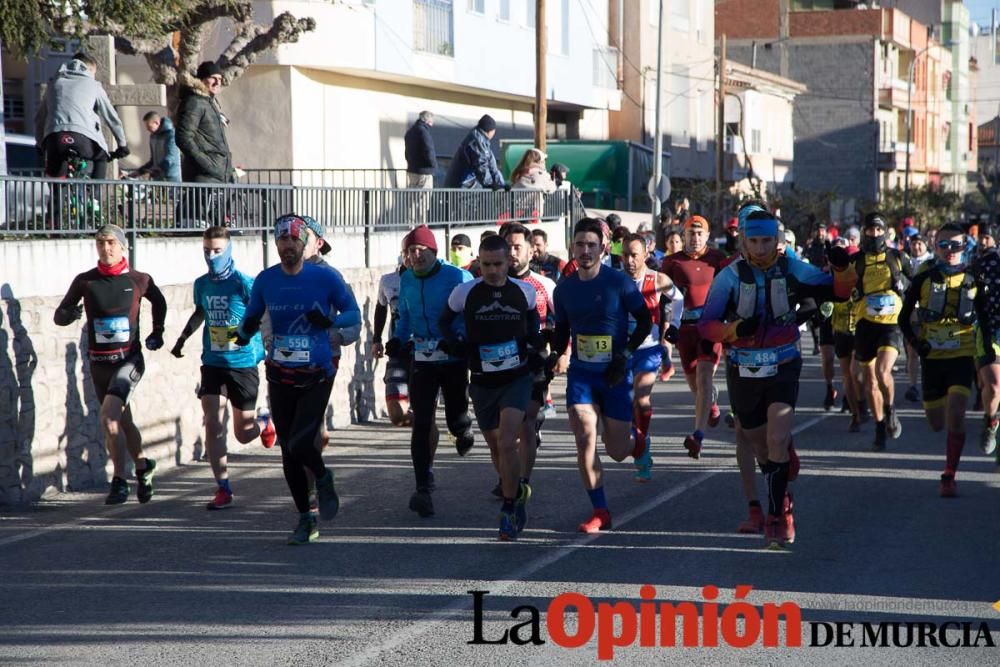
(892,157)
(892,94)
(433,27)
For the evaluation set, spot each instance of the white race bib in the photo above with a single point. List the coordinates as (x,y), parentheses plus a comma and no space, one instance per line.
(758,371)
(499,357)
(426,349)
(292,349)
(112,329)
(881,304)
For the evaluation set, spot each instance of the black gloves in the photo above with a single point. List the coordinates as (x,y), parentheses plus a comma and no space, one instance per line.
(242,339)
(76,313)
(617,370)
(392,348)
(839,257)
(672,334)
(120,152)
(318,319)
(748,326)
(924,348)
(154,341)
(178,349)
(454,347)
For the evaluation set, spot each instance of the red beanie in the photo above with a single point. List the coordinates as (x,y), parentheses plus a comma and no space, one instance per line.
(421,235)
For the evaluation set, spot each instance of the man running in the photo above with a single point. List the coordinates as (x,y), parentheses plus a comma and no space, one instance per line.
(397,398)
(228,371)
(593,306)
(111,295)
(303,301)
(423,297)
(751,306)
(542,261)
(693,270)
(943,295)
(658,292)
(987,274)
(502,333)
(883,274)
(842,324)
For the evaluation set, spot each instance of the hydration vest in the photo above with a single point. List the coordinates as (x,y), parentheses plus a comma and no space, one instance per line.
(780,291)
(897,282)
(937,298)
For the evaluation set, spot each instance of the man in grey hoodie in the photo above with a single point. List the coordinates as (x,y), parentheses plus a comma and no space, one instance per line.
(69,120)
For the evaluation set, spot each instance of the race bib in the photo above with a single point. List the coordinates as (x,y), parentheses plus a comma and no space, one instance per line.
(222,339)
(292,349)
(758,371)
(426,349)
(881,304)
(499,357)
(112,329)
(595,349)
(756,358)
(941,339)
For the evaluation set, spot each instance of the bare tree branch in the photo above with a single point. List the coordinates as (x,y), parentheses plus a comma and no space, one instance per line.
(285,29)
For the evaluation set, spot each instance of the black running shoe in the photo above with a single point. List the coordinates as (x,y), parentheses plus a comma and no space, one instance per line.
(421,503)
(144,482)
(326,497)
(305,531)
(118,493)
(464,442)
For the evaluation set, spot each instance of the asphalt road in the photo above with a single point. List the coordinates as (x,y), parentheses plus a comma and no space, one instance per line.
(169,583)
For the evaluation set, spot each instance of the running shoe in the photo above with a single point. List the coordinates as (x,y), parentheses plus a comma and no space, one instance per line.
(988,436)
(508,527)
(667,373)
(549,410)
(754,522)
(221,501)
(692,443)
(715,416)
(831,397)
(644,466)
(793,461)
(912,394)
(893,426)
(267,432)
(598,521)
(730,419)
(144,482)
(306,530)
(464,442)
(326,494)
(779,531)
(421,503)
(948,488)
(118,493)
(880,437)
(521,506)
(498,490)
(855,426)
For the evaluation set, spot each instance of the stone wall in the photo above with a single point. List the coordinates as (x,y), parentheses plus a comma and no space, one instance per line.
(49,431)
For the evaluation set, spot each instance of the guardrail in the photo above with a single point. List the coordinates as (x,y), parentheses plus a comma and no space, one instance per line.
(46,207)
(329,178)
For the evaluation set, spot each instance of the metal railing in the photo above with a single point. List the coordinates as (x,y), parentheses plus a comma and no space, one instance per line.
(433,27)
(328,178)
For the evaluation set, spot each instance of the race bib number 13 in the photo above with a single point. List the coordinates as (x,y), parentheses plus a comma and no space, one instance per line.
(595,349)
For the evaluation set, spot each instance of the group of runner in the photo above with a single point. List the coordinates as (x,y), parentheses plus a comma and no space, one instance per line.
(499,339)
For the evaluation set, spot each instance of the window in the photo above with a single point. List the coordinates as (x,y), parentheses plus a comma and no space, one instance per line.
(700,119)
(477,6)
(504,13)
(678,106)
(680,15)
(529,13)
(755,142)
(654,11)
(557,16)
(433,27)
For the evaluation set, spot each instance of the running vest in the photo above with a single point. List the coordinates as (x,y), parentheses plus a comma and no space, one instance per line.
(842,320)
(946,313)
(779,292)
(880,286)
(647,287)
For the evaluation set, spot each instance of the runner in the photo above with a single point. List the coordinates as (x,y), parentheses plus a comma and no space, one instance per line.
(943,294)
(228,372)
(502,332)
(987,274)
(918,255)
(674,243)
(842,323)
(423,297)
(397,399)
(517,237)
(111,295)
(751,306)
(883,274)
(658,292)
(542,261)
(303,302)
(593,305)
(692,270)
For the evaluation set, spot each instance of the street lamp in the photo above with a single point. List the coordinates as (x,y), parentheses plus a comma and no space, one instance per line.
(909,120)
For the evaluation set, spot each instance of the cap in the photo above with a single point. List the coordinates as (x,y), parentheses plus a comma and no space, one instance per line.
(733,223)
(853,233)
(112,230)
(291,225)
(207,69)
(317,229)
(486,123)
(461,239)
(421,235)
(874,220)
(910,231)
(696,221)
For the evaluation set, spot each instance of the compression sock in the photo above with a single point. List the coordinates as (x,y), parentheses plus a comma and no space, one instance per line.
(597,498)
(224,485)
(956,441)
(776,479)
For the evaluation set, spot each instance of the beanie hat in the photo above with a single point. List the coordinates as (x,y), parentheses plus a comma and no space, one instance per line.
(421,235)
(207,69)
(115,231)
(486,123)
(461,239)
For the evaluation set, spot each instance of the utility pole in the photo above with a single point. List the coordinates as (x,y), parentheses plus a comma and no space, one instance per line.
(654,182)
(720,137)
(541,102)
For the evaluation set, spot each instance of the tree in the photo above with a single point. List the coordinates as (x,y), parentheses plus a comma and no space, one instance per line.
(169,34)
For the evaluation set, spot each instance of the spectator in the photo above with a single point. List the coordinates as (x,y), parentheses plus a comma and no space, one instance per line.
(474,165)
(530,173)
(732,245)
(818,248)
(201,129)
(69,119)
(665,224)
(462,254)
(421,160)
(164,158)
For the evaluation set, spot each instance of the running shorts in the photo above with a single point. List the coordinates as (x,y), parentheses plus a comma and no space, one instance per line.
(489,402)
(940,377)
(589,388)
(118,379)
(238,384)
(692,349)
(870,337)
(751,397)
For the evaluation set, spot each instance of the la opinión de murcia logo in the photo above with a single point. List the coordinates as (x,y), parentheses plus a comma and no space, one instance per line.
(655,624)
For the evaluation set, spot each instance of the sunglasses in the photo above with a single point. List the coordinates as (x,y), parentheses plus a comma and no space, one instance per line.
(953,246)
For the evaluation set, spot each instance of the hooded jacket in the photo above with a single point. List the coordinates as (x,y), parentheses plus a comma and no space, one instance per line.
(201,137)
(474,163)
(76,102)
(163,153)
(420,155)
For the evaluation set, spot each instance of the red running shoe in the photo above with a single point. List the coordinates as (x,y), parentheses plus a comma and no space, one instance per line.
(793,462)
(778,532)
(714,416)
(267,432)
(600,520)
(693,445)
(948,488)
(667,373)
(754,523)
(221,501)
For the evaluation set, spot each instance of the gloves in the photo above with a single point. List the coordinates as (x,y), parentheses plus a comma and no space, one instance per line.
(536,362)
(154,341)
(377,349)
(453,347)
(241,339)
(120,152)
(924,348)
(748,326)
(392,348)
(617,370)
(318,319)
(178,349)
(839,257)
(77,312)
(672,334)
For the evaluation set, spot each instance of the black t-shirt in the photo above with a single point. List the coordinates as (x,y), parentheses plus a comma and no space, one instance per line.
(498,323)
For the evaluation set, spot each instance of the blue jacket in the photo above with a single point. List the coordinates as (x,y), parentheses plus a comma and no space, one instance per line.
(164,156)
(422,300)
(420,155)
(474,163)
